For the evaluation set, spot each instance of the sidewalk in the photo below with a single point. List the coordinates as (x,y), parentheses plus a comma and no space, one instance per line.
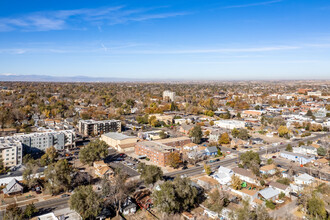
(35,199)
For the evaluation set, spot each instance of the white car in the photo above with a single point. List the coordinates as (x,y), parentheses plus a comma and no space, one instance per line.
(279,201)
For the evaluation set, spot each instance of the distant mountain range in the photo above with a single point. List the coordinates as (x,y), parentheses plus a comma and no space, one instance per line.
(46,78)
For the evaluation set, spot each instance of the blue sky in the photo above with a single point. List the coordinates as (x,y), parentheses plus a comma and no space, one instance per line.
(224,39)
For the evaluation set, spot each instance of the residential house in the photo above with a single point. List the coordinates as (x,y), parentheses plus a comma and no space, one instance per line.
(249,194)
(207,182)
(13,187)
(223,175)
(303,179)
(214,136)
(128,207)
(269,194)
(184,128)
(190,147)
(280,187)
(245,175)
(195,154)
(102,169)
(211,151)
(268,169)
(305,150)
(235,142)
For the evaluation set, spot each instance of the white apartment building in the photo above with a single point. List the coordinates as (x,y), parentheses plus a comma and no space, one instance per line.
(43,140)
(92,127)
(168,95)
(11,151)
(230,124)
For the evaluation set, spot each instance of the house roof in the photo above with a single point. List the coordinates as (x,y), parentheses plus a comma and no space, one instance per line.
(305,177)
(190,145)
(269,193)
(224,170)
(278,185)
(249,192)
(10,186)
(100,163)
(208,180)
(244,172)
(186,127)
(268,167)
(104,170)
(211,149)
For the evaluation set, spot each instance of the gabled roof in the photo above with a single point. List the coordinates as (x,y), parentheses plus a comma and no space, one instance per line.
(278,185)
(212,149)
(269,193)
(305,177)
(244,172)
(268,167)
(224,170)
(10,186)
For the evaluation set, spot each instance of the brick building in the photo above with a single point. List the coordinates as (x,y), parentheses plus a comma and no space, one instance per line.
(157,152)
(175,142)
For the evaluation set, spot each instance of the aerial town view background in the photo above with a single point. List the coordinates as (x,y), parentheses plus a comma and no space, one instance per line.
(176,110)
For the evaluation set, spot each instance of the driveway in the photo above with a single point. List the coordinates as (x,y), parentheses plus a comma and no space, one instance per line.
(285,211)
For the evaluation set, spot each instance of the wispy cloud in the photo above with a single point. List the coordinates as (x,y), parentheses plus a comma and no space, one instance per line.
(254,4)
(220,50)
(132,48)
(64,19)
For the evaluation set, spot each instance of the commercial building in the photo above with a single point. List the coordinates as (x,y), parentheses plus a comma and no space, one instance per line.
(230,124)
(157,153)
(118,140)
(169,96)
(92,127)
(11,151)
(296,157)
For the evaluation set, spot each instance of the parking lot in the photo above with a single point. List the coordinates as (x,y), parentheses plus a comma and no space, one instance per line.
(122,161)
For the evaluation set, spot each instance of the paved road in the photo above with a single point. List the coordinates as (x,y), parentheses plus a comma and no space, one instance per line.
(227,162)
(48,206)
(198,170)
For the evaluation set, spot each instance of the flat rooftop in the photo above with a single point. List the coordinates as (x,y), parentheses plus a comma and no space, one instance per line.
(117,136)
(156,146)
(168,140)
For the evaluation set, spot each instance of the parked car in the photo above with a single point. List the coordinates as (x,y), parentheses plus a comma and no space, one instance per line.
(293,194)
(65,195)
(273,156)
